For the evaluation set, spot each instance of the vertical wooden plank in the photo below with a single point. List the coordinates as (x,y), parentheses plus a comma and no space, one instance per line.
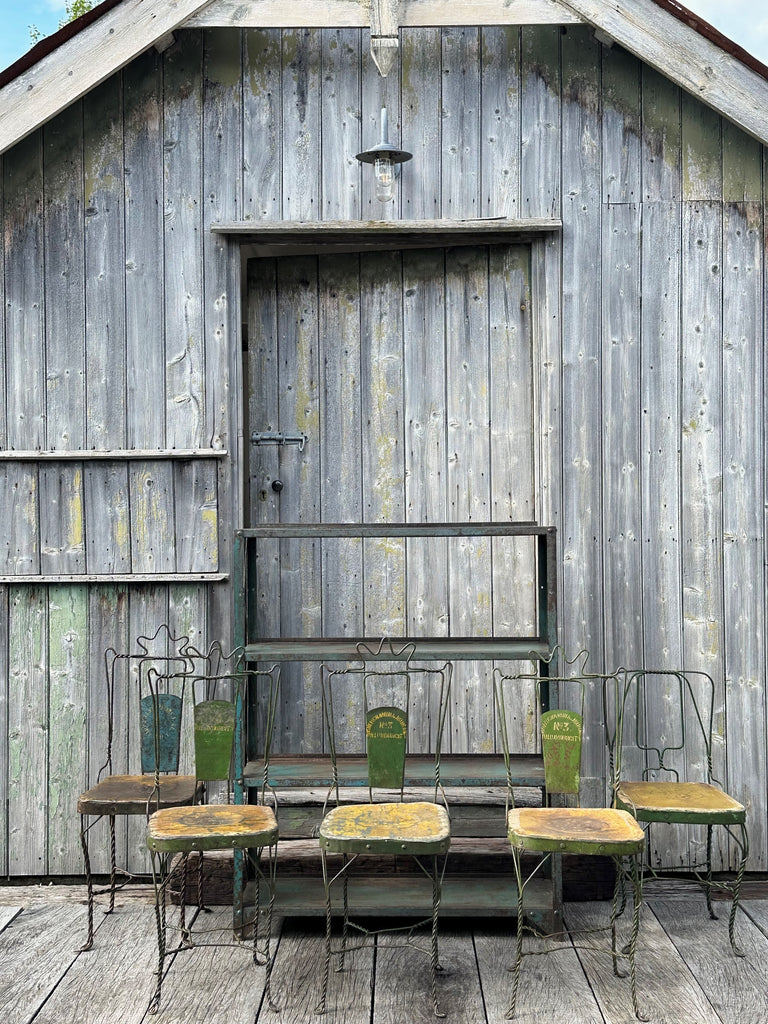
(187,609)
(262,131)
(149,608)
(383,465)
(196,515)
(702,150)
(153,540)
(702,447)
(512,464)
(24,294)
(622,529)
(222,189)
(420,73)
(299,390)
(105,274)
(661,431)
(744,739)
(62,523)
(19,519)
(580,539)
(301,124)
(540,114)
(340,120)
(64,266)
(144,280)
(4,730)
(500,116)
(661,137)
(182,226)
(3,332)
(468,479)
(461,143)
(426,472)
(621,126)
(107,513)
(67,749)
(107,628)
(341,480)
(27,731)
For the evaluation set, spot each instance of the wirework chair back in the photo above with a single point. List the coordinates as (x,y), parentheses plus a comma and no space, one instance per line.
(386,699)
(665,726)
(165,654)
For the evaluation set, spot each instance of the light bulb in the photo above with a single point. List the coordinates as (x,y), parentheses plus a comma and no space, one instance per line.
(384,173)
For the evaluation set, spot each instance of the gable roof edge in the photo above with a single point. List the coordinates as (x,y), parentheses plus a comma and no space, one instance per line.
(98,50)
(687,57)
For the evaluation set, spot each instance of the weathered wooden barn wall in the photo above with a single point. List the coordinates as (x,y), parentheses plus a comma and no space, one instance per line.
(120,320)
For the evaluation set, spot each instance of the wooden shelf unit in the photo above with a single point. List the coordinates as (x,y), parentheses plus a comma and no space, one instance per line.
(301,781)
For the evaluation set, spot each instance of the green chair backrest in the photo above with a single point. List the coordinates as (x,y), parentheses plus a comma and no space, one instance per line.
(386,732)
(214,739)
(561,735)
(161,737)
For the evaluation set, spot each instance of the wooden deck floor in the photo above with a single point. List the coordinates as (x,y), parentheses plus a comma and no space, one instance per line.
(686,972)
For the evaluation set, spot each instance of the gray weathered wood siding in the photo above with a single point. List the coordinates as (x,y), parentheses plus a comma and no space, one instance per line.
(120,331)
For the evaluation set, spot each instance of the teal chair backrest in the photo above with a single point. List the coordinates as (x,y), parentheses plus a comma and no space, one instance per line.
(161,734)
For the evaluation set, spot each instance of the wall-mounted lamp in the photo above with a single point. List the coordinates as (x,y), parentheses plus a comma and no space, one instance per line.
(386,160)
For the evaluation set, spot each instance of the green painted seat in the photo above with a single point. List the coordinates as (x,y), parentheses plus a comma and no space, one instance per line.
(569,830)
(158,783)
(251,829)
(664,732)
(419,829)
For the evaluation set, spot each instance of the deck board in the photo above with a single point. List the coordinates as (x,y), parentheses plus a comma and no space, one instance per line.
(686,971)
(666,993)
(737,988)
(125,952)
(36,951)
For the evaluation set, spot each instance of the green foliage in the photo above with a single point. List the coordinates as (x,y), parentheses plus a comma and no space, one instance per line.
(74,9)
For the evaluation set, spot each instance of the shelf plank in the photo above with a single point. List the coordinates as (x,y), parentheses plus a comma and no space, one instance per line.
(473,770)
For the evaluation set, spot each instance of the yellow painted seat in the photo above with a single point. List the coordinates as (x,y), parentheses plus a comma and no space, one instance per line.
(694,802)
(419,829)
(211,827)
(583,831)
(664,727)
(386,828)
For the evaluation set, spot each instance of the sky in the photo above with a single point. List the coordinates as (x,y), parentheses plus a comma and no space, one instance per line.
(736,19)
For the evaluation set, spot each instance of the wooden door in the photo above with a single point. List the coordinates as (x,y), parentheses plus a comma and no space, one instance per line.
(410,375)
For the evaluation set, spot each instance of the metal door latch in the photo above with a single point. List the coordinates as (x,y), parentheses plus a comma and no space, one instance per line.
(278,437)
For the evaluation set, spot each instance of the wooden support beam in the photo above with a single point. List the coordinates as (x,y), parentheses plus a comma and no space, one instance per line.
(354,14)
(384,34)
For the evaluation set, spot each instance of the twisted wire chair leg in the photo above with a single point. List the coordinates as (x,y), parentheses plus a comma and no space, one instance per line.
(112,864)
(519,937)
(618,886)
(89,883)
(637,893)
(708,887)
(270,959)
(320,1007)
(345,922)
(435,953)
(160,924)
(200,884)
(744,844)
(186,937)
